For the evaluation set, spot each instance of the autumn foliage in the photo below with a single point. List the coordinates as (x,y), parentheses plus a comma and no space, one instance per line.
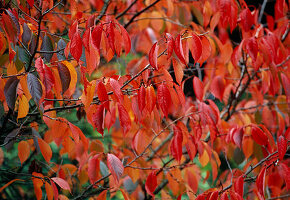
(138,99)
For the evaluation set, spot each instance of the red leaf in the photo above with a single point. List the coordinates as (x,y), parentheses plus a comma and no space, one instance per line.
(116,167)
(124,119)
(238,136)
(55,191)
(153,54)
(126,39)
(76,46)
(217,87)
(259,136)
(178,49)
(151,183)
(111,35)
(261,182)
(176,144)
(103,95)
(239,186)
(61,183)
(286,85)
(196,47)
(178,70)
(98,119)
(284,171)
(251,46)
(224,196)
(141,98)
(76,132)
(164,98)
(31,3)
(93,168)
(282,147)
(170,45)
(198,88)
(97,36)
(150,99)
(206,49)
(247,19)
(45,74)
(116,87)
(214,195)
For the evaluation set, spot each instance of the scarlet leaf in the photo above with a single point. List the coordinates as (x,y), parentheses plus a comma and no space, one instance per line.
(153,53)
(126,39)
(76,46)
(117,89)
(224,196)
(31,3)
(170,45)
(198,88)
(34,87)
(214,195)
(61,183)
(102,94)
(151,183)
(196,47)
(45,74)
(239,186)
(45,149)
(163,98)
(261,183)
(10,91)
(93,168)
(98,119)
(141,98)
(124,119)
(282,147)
(176,143)
(251,46)
(97,35)
(259,136)
(238,136)
(178,49)
(116,167)
(55,191)
(23,151)
(111,35)
(286,85)
(217,87)
(76,132)
(150,99)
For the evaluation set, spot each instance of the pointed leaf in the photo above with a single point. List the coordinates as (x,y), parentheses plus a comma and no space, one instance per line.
(164,98)
(282,147)
(116,167)
(45,149)
(151,183)
(178,49)
(34,87)
(93,168)
(116,89)
(47,46)
(76,132)
(124,119)
(102,94)
(97,35)
(76,46)
(217,87)
(170,45)
(261,182)
(196,47)
(198,88)
(153,54)
(64,76)
(239,186)
(98,119)
(10,91)
(9,183)
(176,144)
(61,183)
(259,136)
(23,151)
(141,98)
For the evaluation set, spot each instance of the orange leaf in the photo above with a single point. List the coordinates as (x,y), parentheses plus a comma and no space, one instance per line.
(178,71)
(7,184)
(198,88)
(45,149)
(49,191)
(23,107)
(23,151)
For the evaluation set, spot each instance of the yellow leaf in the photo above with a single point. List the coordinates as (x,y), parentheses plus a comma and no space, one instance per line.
(23,151)
(45,149)
(23,107)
